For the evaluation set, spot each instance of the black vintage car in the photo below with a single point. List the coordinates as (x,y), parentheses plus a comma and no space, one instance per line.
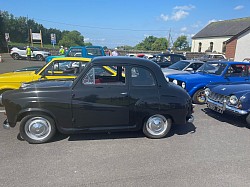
(166,59)
(110,94)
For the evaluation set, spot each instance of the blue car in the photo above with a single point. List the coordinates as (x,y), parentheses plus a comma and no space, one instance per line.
(211,72)
(233,98)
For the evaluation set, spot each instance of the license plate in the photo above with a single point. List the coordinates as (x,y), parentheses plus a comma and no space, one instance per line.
(215,107)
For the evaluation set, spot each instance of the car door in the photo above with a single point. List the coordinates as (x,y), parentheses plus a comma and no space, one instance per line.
(100,99)
(237,73)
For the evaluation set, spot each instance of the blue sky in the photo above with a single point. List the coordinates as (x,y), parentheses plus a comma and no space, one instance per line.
(114,23)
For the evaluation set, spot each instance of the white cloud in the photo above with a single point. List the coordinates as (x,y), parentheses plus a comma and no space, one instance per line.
(183,29)
(179,15)
(239,7)
(186,7)
(86,39)
(179,12)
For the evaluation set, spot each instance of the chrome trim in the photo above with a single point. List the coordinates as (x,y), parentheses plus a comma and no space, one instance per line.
(6,125)
(191,119)
(1,99)
(226,107)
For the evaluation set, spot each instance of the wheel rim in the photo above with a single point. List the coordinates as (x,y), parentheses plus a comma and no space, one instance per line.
(37,128)
(201,98)
(15,56)
(157,125)
(39,58)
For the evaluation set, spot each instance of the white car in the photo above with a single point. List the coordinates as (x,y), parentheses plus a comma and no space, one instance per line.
(20,53)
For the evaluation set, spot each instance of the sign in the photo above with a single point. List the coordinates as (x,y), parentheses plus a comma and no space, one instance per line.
(36,36)
(53,38)
(7,37)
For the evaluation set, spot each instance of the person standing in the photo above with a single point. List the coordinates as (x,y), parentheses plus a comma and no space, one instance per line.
(61,51)
(28,53)
(115,53)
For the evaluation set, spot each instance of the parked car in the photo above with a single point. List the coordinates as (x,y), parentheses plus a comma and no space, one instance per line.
(211,72)
(166,59)
(136,97)
(233,98)
(81,51)
(212,57)
(61,68)
(246,60)
(182,66)
(20,53)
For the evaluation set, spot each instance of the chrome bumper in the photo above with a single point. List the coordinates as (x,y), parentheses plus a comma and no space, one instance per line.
(228,108)
(6,125)
(190,119)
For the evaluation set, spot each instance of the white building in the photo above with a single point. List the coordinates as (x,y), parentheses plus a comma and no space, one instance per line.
(231,37)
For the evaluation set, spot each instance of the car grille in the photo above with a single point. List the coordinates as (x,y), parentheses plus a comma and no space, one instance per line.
(218,97)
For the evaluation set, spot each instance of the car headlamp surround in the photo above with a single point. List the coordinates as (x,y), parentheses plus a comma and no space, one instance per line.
(183,84)
(233,100)
(207,91)
(175,81)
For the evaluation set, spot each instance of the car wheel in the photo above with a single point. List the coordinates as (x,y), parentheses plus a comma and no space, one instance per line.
(157,126)
(248,121)
(199,97)
(37,129)
(15,56)
(39,57)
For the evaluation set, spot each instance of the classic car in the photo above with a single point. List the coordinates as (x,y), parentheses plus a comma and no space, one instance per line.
(166,59)
(233,98)
(61,68)
(211,72)
(212,57)
(137,96)
(182,66)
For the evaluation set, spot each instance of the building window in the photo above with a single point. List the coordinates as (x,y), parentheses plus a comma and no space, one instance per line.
(211,46)
(199,49)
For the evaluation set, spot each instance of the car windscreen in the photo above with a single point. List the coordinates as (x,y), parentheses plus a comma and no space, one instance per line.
(212,68)
(180,65)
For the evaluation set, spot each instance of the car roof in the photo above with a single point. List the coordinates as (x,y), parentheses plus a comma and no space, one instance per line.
(72,58)
(228,62)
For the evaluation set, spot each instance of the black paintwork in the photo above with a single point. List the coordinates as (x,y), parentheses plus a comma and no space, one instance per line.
(78,107)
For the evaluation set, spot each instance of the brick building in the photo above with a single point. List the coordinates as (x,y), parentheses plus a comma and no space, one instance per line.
(231,37)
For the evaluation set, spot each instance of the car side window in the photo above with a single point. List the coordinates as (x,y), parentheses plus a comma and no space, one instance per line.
(75,52)
(142,77)
(105,75)
(237,71)
(59,68)
(195,66)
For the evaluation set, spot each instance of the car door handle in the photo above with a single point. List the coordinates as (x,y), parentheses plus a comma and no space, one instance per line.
(124,93)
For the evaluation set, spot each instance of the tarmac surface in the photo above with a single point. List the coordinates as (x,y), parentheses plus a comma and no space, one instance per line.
(212,151)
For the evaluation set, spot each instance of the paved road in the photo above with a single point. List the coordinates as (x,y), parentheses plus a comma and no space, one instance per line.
(213,151)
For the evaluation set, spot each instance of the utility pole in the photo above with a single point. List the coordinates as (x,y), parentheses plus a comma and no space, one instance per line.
(169,37)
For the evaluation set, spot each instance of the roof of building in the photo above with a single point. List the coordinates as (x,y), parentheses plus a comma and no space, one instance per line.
(224,28)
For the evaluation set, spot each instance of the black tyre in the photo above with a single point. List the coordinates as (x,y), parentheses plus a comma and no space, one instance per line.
(199,97)
(15,56)
(37,128)
(248,121)
(157,126)
(39,57)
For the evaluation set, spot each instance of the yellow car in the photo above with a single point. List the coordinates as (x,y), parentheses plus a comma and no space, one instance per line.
(57,68)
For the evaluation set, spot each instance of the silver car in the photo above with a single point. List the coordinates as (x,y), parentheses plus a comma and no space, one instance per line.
(182,66)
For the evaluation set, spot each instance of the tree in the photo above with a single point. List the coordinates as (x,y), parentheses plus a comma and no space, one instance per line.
(160,44)
(2,33)
(71,38)
(181,43)
(146,44)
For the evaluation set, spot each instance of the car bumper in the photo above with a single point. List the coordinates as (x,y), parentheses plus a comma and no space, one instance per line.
(190,119)
(219,107)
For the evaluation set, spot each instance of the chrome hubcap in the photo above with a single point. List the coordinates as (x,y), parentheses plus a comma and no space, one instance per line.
(37,128)
(157,125)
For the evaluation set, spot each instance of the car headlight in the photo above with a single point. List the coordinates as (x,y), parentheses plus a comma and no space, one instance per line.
(167,79)
(23,85)
(233,100)
(207,91)
(175,81)
(183,85)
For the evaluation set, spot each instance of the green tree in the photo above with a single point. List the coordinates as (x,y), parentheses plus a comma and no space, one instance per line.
(181,43)
(160,44)
(146,44)
(71,38)
(2,33)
